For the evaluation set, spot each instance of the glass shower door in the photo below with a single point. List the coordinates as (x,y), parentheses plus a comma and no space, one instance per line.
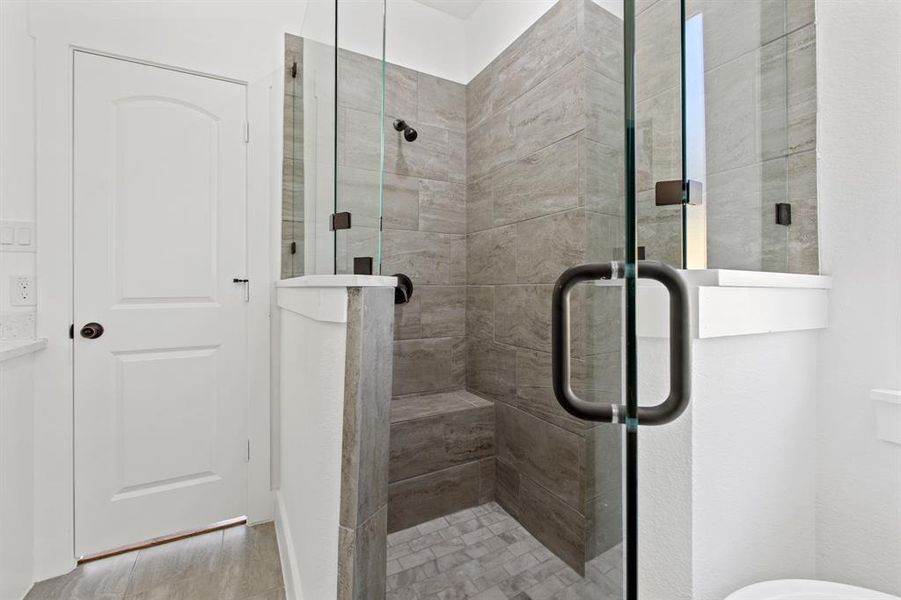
(651,209)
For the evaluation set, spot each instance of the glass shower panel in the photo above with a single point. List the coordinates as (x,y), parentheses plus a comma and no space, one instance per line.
(658,132)
(757,134)
(292,246)
(746,133)
(308,144)
(360,122)
(598,308)
(516,173)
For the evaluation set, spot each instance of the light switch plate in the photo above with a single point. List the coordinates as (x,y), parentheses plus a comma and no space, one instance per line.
(17,236)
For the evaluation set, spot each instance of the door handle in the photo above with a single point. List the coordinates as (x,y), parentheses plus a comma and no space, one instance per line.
(680,344)
(92,331)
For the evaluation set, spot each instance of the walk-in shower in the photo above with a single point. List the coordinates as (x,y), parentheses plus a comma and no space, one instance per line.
(548,135)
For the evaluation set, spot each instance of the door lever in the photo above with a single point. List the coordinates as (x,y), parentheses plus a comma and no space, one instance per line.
(246,283)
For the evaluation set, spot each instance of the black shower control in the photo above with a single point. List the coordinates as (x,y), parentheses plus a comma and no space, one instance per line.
(362,265)
(783,213)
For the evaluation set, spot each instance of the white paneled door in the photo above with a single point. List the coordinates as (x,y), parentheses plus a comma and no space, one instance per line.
(159,237)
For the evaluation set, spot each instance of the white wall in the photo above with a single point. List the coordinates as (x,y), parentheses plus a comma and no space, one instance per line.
(417,36)
(237,40)
(494,25)
(426,39)
(16,477)
(727,492)
(859,182)
(313,344)
(17,171)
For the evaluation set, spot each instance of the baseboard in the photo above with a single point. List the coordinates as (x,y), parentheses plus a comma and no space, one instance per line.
(290,571)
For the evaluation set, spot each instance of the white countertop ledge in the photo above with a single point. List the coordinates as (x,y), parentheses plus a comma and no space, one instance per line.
(888,396)
(337,281)
(728,303)
(749,279)
(10,349)
(734,278)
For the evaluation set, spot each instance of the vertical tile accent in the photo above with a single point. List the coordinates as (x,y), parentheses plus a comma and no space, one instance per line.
(365,438)
(292,265)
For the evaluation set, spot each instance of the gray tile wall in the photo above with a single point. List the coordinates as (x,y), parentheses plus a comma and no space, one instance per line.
(544,193)
(292,162)
(424,209)
(442,456)
(363,511)
(760,88)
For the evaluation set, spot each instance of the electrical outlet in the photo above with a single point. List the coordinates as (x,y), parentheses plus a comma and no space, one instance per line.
(22,291)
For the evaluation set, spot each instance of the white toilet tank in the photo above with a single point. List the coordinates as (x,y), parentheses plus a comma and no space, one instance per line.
(806,589)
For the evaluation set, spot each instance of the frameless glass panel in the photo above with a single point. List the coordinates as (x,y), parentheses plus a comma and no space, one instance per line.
(360,123)
(757,135)
(658,131)
(726,494)
(308,168)
(293,238)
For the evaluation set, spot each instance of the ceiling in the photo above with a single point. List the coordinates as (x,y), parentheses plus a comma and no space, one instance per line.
(455,8)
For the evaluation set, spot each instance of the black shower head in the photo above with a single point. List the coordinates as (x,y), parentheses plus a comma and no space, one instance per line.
(409,133)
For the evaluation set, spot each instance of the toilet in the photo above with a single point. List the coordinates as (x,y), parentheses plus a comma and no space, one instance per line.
(806,589)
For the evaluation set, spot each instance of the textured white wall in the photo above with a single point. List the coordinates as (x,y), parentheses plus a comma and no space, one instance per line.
(426,39)
(17,170)
(753,461)
(859,477)
(16,477)
(312,416)
(727,492)
(417,36)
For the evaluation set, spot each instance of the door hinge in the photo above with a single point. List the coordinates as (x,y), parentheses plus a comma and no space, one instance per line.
(72,331)
(293,247)
(339,221)
(246,133)
(248,449)
(294,69)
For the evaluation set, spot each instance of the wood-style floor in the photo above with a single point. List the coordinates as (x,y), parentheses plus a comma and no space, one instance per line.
(240,563)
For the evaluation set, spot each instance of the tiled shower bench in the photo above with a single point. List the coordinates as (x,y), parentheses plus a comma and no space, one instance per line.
(442,456)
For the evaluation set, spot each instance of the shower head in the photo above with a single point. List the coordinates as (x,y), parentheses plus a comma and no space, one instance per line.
(409,133)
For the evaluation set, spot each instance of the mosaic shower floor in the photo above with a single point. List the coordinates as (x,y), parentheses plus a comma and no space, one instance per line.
(483,553)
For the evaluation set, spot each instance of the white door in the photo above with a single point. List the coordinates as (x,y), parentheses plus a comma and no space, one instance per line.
(159,236)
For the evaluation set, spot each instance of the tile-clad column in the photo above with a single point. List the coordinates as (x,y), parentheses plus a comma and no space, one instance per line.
(364,456)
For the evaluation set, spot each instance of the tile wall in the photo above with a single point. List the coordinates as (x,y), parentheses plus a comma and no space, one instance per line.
(424,209)
(760,109)
(292,246)
(544,192)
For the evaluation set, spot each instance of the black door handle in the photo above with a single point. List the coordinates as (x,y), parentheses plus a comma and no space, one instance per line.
(92,331)
(680,344)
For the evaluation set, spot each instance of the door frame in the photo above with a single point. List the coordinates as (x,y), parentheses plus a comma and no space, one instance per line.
(54,370)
